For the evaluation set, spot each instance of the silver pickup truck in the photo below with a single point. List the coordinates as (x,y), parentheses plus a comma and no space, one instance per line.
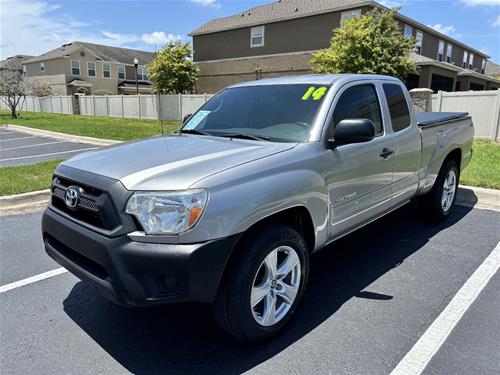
(229,209)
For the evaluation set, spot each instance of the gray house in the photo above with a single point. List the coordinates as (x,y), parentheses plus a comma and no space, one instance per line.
(279,39)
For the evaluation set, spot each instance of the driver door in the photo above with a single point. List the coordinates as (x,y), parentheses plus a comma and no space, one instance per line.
(359,175)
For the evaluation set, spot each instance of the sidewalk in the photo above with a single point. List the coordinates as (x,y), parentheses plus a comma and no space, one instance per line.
(61,136)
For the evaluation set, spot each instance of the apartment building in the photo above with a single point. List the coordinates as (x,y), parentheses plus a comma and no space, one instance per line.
(279,39)
(80,68)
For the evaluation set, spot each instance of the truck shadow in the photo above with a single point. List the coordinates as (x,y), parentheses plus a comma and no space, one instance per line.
(185,339)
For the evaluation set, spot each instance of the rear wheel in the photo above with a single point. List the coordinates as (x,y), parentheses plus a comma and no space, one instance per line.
(263,284)
(439,202)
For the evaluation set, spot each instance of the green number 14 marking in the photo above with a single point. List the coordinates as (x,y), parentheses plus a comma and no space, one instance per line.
(315,93)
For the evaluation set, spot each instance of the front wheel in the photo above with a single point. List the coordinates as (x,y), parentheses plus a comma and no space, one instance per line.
(263,284)
(439,202)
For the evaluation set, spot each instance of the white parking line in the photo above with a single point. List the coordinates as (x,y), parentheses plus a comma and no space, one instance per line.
(37,144)
(32,279)
(415,361)
(16,139)
(52,153)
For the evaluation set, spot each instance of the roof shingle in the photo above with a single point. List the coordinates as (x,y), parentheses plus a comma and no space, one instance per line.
(14,62)
(278,10)
(104,53)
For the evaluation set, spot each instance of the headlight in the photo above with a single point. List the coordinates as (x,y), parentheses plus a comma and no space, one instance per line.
(167,212)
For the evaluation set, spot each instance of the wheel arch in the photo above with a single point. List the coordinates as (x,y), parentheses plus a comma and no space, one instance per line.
(297,217)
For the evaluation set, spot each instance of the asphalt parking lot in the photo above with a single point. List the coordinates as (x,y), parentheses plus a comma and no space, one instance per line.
(370,298)
(17,148)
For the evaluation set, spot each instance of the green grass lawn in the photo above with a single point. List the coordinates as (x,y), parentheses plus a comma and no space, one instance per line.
(91,126)
(22,179)
(484,168)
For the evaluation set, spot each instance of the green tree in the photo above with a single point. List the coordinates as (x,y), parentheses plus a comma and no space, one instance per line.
(172,70)
(370,44)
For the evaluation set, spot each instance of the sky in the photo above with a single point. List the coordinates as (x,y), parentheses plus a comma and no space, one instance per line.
(33,27)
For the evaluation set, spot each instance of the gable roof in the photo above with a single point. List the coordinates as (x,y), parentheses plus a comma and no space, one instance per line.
(14,62)
(282,10)
(102,52)
(277,11)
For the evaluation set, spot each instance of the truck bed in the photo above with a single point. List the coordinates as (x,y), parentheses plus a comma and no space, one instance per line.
(434,118)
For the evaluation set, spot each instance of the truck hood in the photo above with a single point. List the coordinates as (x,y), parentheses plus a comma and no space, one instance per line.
(172,162)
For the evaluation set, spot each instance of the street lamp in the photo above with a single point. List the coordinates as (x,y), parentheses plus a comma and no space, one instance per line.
(136,64)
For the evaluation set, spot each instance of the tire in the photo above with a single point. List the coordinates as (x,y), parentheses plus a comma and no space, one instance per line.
(445,186)
(232,308)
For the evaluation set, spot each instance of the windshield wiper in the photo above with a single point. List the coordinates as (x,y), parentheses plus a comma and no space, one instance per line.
(193,131)
(246,136)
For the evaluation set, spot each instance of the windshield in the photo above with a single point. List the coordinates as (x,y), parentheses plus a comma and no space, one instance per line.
(283,113)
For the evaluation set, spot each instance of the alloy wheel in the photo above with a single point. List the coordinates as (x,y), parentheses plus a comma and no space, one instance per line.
(275,286)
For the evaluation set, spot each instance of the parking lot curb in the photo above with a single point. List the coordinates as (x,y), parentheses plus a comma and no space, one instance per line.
(24,202)
(62,136)
(471,196)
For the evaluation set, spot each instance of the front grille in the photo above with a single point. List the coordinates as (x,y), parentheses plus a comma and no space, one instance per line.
(94,207)
(87,264)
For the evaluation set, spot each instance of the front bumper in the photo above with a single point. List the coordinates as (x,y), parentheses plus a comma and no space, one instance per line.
(137,273)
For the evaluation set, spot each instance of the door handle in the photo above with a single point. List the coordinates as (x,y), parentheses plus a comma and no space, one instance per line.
(386,152)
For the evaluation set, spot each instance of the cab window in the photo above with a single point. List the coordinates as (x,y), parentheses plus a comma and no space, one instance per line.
(398,107)
(359,102)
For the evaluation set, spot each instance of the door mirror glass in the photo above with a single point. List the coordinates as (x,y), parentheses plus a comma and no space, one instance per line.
(356,130)
(186,118)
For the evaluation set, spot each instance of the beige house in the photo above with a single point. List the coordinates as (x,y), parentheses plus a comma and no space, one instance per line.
(81,68)
(279,39)
(14,63)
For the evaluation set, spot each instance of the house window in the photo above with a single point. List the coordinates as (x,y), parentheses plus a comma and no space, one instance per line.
(106,72)
(91,69)
(465,60)
(350,14)
(419,39)
(408,30)
(449,50)
(42,67)
(142,74)
(471,61)
(121,71)
(257,36)
(440,50)
(483,66)
(75,67)
(24,70)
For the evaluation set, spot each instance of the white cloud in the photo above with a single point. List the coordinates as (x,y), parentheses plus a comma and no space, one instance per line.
(207,3)
(34,27)
(473,3)
(160,38)
(447,30)
(392,3)
(496,22)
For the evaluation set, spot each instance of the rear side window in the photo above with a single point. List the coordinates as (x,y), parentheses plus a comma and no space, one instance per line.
(359,102)
(398,107)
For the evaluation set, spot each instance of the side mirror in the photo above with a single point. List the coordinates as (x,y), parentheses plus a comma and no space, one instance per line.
(356,130)
(186,118)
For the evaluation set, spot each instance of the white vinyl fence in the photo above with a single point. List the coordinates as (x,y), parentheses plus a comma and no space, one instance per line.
(483,106)
(165,107)
(54,104)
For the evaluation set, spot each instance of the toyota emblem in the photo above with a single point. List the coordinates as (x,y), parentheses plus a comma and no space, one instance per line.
(71,197)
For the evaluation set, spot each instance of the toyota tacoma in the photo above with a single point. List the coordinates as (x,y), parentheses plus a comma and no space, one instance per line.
(228,210)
